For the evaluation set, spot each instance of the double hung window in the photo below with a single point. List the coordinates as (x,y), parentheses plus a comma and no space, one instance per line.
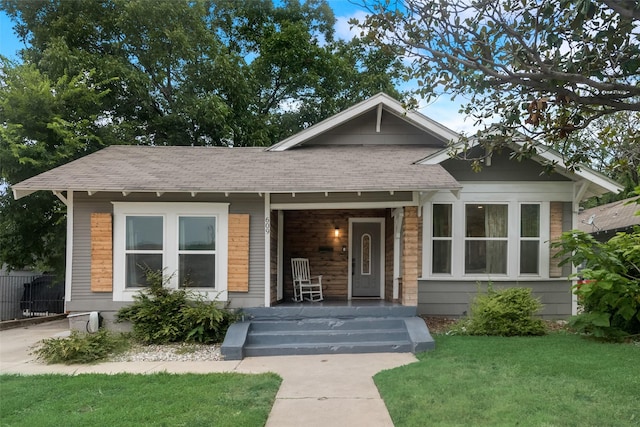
(486,239)
(529,239)
(144,248)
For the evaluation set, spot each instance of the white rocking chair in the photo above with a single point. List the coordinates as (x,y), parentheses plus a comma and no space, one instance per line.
(304,285)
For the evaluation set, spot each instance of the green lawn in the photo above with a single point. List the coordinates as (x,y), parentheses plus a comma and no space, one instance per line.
(137,400)
(555,380)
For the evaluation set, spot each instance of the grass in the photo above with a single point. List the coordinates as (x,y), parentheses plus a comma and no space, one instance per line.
(554,380)
(137,400)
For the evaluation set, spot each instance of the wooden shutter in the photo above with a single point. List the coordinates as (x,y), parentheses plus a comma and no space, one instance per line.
(555,232)
(101,252)
(238,271)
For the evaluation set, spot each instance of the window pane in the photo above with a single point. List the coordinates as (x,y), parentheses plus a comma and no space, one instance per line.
(197,233)
(197,271)
(441,220)
(485,257)
(366,255)
(530,221)
(486,220)
(137,266)
(529,253)
(144,233)
(441,256)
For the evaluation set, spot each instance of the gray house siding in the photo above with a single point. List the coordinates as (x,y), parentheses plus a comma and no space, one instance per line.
(362,130)
(501,168)
(452,298)
(83,299)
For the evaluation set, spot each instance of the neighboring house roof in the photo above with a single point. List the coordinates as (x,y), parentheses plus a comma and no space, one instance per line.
(616,216)
(245,169)
(380,102)
(595,183)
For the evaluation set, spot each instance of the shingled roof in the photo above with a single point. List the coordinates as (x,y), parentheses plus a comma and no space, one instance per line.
(616,216)
(246,169)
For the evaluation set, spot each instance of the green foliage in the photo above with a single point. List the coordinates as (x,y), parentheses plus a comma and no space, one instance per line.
(508,312)
(609,293)
(161,315)
(81,347)
(526,68)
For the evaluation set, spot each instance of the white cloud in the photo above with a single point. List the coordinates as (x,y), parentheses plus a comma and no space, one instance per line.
(343,28)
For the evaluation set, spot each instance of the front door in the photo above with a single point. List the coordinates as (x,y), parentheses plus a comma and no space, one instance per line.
(365,262)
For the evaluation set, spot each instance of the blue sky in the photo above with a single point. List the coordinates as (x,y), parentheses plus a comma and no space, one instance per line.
(442,110)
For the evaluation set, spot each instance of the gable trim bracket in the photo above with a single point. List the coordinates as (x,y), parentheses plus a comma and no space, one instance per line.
(63,199)
(580,188)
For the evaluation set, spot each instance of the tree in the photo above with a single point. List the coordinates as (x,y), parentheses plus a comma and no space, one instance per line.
(542,69)
(164,73)
(612,145)
(44,123)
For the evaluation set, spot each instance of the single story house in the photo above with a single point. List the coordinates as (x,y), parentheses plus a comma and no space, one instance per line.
(370,196)
(606,220)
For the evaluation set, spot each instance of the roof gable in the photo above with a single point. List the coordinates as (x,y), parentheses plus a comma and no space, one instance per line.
(375,111)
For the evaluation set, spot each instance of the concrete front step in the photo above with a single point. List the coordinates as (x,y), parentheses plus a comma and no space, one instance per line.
(315,324)
(327,348)
(318,310)
(323,336)
(326,335)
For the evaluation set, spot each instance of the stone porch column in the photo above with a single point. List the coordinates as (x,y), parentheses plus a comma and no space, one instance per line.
(410,256)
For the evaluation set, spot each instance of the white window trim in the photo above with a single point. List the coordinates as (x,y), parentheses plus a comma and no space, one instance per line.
(171,212)
(458,241)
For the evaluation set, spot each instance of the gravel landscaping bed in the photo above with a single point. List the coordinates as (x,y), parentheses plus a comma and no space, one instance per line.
(179,352)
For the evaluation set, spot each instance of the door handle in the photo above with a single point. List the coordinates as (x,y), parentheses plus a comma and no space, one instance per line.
(353,266)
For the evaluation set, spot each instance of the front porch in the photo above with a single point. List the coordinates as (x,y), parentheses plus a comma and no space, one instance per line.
(370,254)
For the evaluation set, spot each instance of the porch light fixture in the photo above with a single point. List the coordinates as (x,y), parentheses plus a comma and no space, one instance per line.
(336,232)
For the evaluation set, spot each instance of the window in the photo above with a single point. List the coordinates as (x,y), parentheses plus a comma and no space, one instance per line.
(441,250)
(486,239)
(187,241)
(144,248)
(529,239)
(197,251)
(365,248)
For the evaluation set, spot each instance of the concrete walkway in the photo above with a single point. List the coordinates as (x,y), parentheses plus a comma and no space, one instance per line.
(320,390)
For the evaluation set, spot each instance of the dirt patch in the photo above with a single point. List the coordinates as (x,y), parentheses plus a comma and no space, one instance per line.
(439,324)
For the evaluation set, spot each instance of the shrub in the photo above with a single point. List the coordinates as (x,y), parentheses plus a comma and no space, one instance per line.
(161,315)
(81,347)
(609,295)
(507,312)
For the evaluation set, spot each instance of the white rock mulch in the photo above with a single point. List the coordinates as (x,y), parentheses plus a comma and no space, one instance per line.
(170,353)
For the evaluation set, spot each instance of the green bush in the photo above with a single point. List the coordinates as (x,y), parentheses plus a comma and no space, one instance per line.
(81,347)
(609,294)
(507,312)
(161,315)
